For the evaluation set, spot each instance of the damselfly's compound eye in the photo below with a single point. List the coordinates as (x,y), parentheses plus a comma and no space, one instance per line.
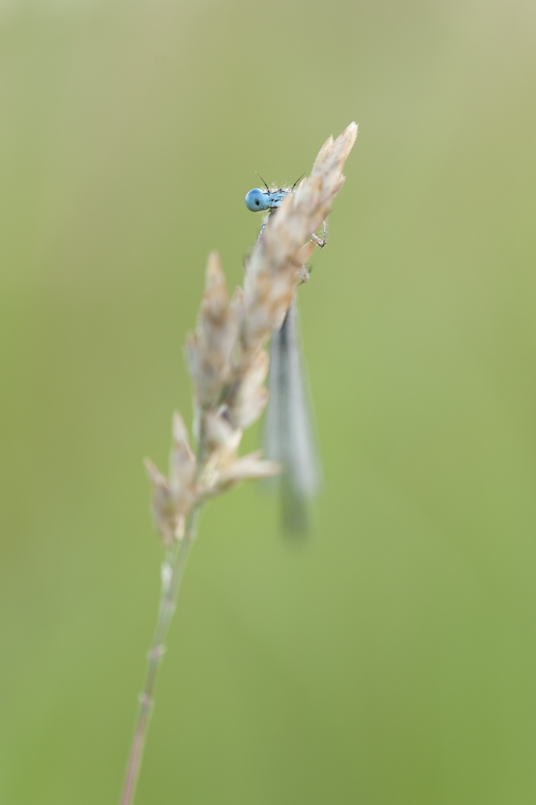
(256,201)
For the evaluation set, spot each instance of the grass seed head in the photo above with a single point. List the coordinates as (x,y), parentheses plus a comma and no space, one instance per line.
(226,356)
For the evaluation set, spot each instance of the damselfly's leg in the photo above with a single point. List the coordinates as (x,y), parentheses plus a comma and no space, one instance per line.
(260,233)
(317,240)
(304,273)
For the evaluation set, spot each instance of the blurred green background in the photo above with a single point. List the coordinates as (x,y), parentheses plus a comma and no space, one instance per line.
(392,660)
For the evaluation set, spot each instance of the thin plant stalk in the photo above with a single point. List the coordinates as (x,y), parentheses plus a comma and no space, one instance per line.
(172,573)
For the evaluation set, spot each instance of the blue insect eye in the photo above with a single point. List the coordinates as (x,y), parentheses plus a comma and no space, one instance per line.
(255,200)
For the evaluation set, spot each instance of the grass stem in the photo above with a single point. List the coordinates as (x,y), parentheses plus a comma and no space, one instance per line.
(172,572)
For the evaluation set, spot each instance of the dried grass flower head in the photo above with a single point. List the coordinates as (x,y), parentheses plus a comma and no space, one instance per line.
(226,355)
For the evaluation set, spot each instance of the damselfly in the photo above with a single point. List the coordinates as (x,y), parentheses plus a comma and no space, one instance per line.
(289,428)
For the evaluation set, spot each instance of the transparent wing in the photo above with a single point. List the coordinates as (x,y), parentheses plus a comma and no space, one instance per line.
(289,426)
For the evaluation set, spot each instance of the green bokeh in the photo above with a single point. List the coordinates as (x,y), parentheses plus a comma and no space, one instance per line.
(392,660)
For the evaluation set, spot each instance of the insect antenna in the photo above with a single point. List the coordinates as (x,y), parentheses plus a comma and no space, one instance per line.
(296,182)
(262,180)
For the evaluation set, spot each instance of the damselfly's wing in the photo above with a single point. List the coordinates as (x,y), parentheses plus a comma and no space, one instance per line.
(289,428)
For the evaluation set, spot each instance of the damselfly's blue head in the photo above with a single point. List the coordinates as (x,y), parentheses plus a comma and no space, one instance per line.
(258,200)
